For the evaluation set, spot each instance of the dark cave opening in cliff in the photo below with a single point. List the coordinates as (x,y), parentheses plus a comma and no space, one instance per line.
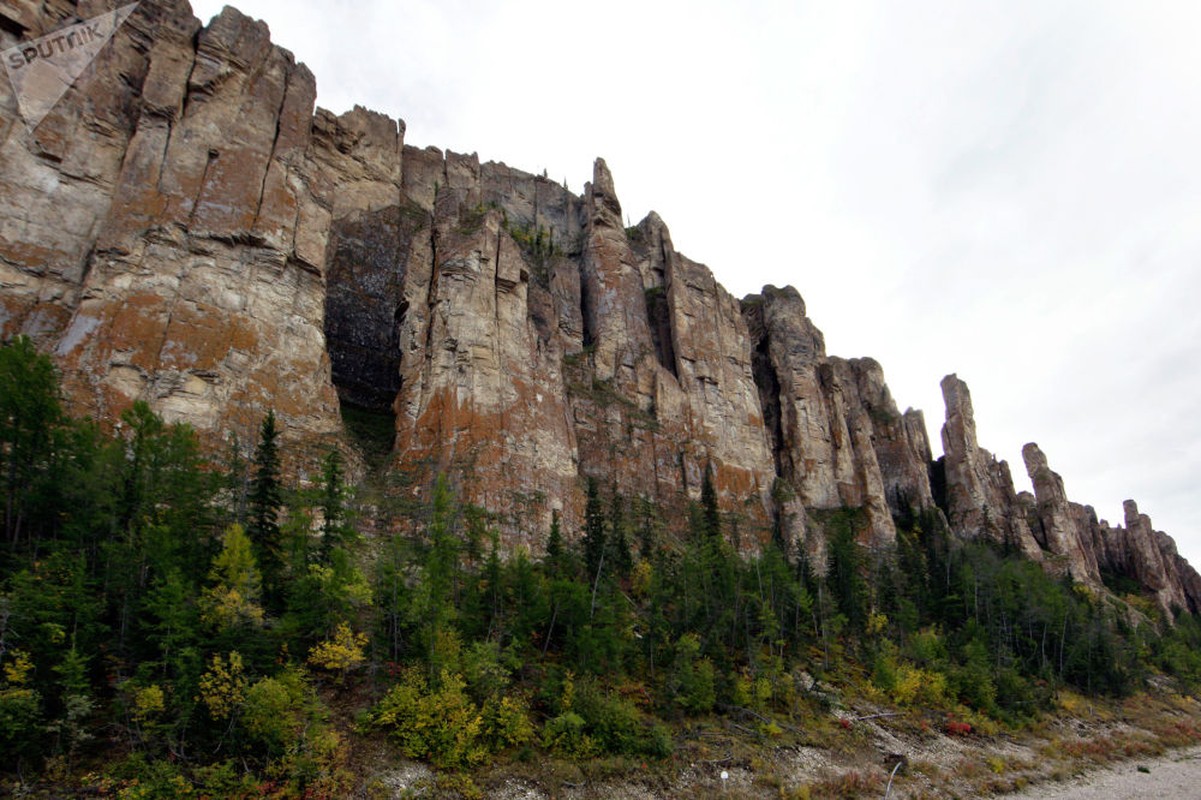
(365,366)
(365,311)
(365,363)
(938,483)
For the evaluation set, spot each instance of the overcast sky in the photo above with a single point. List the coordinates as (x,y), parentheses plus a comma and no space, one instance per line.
(1004,189)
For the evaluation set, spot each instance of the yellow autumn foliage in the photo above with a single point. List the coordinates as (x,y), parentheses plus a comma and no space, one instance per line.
(233,598)
(341,653)
(442,724)
(223,686)
(16,671)
(148,703)
(915,686)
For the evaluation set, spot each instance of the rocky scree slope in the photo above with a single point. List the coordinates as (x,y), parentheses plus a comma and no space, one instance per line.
(185,229)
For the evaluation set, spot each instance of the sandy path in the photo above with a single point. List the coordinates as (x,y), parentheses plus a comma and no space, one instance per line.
(1176,776)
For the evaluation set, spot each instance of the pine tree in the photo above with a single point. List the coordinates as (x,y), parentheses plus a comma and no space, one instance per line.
(333,508)
(554,547)
(647,524)
(237,481)
(265,503)
(711,517)
(618,543)
(594,533)
(29,411)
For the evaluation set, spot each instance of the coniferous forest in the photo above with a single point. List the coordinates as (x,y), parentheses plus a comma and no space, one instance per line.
(177,620)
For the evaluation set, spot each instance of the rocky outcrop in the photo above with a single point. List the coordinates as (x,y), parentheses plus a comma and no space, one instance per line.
(160,234)
(1140,553)
(980,500)
(233,250)
(1067,537)
(185,229)
(481,387)
(838,437)
(1150,557)
(1063,528)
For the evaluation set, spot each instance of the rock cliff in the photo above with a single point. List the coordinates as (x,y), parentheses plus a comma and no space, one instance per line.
(980,499)
(164,230)
(185,228)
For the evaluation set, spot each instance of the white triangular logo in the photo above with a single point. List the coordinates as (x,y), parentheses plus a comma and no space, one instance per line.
(42,70)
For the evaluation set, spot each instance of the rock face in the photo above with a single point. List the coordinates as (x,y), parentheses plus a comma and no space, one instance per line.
(1149,557)
(1063,528)
(981,503)
(980,500)
(838,437)
(185,229)
(161,233)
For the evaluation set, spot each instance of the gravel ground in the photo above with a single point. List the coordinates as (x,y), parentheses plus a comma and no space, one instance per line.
(1174,777)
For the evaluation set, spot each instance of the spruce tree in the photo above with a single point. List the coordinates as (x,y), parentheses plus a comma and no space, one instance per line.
(594,533)
(29,412)
(237,480)
(708,524)
(265,502)
(619,543)
(647,524)
(711,518)
(554,547)
(333,508)
(845,577)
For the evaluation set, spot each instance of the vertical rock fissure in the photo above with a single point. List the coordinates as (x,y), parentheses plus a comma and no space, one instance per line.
(431,295)
(279,114)
(587,311)
(938,484)
(158,183)
(768,384)
(187,84)
(213,155)
(496,302)
(658,316)
(85,267)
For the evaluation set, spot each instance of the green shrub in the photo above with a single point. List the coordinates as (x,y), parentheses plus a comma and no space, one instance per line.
(442,726)
(283,716)
(617,726)
(272,710)
(693,686)
(507,723)
(225,779)
(140,779)
(565,735)
(20,720)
